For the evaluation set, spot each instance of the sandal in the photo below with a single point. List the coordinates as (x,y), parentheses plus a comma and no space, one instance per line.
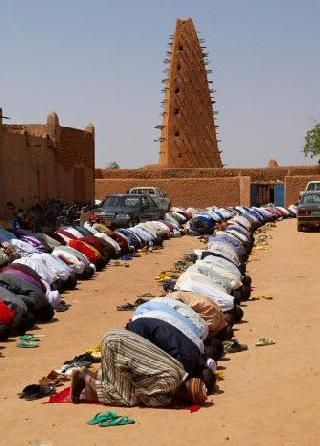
(126,257)
(234,346)
(35,392)
(62,307)
(27,344)
(126,307)
(53,379)
(117,263)
(146,295)
(102,417)
(95,351)
(267,296)
(119,421)
(264,341)
(29,338)
(219,375)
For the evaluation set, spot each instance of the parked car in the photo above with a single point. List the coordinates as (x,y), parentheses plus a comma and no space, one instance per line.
(312,186)
(309,210)
(126,210)
(159,196)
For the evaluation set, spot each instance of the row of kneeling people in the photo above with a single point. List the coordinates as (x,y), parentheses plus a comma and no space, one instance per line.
(36,268)
(168,352)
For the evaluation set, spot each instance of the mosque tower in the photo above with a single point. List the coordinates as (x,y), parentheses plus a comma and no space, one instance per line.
(188,132)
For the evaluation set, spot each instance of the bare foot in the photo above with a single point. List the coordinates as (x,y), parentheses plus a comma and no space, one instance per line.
(77,386)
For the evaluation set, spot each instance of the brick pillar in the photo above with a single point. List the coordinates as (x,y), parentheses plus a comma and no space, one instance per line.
(53,127)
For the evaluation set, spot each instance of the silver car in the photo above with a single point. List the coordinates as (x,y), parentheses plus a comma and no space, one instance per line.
(309,211)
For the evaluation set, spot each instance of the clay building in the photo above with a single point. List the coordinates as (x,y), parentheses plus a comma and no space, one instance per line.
(44,161)
(190,168)
(188,132)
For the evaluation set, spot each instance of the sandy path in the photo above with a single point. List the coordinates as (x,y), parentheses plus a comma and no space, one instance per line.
(271,394)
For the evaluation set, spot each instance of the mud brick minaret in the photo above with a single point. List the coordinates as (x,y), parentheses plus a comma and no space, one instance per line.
(188,132)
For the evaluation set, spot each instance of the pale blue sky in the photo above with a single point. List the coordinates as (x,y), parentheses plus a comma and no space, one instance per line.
(101,61)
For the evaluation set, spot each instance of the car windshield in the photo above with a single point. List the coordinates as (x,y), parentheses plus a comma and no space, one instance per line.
(311,199)
(144,191)
(314,187)
(122,202)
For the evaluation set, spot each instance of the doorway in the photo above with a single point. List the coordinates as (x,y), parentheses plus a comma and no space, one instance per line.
(264,193)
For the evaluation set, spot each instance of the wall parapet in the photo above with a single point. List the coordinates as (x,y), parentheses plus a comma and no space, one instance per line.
(257,174)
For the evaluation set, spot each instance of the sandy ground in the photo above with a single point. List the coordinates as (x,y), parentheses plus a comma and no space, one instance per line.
(270,395)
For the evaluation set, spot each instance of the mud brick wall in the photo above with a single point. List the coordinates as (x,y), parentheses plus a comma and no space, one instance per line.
(75,147)
(197,192)
(39,162)
(245,191)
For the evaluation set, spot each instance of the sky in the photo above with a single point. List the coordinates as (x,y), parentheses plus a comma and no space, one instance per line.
(101,61)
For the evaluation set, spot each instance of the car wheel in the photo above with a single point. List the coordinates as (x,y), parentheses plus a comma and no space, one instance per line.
(300,228)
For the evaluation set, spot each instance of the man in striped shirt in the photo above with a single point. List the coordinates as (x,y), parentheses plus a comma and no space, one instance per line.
(135,371)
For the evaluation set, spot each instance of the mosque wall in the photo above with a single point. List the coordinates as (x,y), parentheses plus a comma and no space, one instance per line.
(204,187)
(198,192)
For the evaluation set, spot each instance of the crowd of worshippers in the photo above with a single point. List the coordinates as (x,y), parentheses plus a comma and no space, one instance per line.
(37,267)
(169,350)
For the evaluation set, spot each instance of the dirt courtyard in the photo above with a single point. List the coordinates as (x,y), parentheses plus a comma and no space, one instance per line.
(270,395)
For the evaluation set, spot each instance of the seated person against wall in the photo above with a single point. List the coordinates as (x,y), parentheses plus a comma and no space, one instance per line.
(134,371)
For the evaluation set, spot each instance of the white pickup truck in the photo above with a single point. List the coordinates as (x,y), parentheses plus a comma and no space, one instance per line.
(158,195)
(312,186)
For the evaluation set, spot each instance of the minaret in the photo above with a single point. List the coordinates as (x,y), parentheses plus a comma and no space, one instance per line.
(188,133)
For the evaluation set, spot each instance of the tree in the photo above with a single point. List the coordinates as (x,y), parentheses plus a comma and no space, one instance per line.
(312,145)
(113,165)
